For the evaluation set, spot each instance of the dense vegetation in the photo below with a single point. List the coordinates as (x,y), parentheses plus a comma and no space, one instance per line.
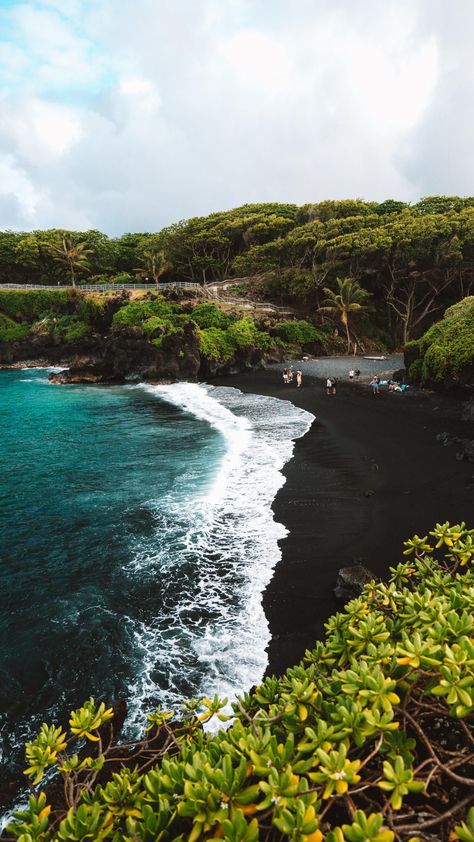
(369,739)
(68,315)
(445,353)
(413,260)
(58,314)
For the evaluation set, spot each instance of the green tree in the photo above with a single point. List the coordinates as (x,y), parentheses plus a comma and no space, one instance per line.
(151,255)
(125,251)
(350,298)
(71,254)
(10,269)
(443,204)
(202,249)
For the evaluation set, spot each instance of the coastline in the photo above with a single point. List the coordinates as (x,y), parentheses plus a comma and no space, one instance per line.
(366,476)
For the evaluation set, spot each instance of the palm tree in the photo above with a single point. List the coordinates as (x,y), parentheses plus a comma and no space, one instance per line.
(350,298)
(155,264)
(74,255)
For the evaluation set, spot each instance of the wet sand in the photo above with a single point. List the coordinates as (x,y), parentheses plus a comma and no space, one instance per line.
(368,475)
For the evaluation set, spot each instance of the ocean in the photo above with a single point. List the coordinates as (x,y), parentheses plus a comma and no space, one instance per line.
(136,539)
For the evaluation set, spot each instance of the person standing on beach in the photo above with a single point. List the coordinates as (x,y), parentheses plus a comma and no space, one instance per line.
(333,386)
(357,372)
(290,374)
(351,374)
(285,375)
(375,385)
(328,386)
(299,378)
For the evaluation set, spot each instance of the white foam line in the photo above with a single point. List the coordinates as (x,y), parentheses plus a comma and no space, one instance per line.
(197,401)
(231,542)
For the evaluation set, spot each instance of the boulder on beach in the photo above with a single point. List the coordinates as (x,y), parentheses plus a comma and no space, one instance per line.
(351,581)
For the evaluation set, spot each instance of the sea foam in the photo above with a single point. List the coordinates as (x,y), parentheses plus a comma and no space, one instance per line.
(214,553)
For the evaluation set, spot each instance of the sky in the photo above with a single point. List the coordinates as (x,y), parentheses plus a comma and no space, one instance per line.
(128,115)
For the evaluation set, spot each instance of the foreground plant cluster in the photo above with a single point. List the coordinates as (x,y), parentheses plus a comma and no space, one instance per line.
(370,738)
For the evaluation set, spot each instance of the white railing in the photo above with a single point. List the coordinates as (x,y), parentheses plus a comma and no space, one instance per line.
(106,287)
(206,291)
(249,304)
(177,285)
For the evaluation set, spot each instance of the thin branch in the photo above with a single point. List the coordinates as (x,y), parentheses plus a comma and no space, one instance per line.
(459,778)
(432,822)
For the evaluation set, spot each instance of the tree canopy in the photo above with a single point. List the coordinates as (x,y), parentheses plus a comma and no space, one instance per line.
(414,260)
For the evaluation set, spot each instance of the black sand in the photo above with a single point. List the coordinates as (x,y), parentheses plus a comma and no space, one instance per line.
(357,445)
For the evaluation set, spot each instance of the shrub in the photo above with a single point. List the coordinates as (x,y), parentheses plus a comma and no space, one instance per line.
(72,328)
(62,312)
(154,325)
(10,331)
(244,333)
(66,328)
(161,328)
(221,345)
(465,307)
(44,327)
(300,332)
(31,305)
(415,371)
(355,743)
(138,312)
(215,344)
(208,315)
(447,348)
(92,310)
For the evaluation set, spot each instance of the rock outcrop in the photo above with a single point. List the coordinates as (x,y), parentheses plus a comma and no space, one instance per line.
(464,447)
(351,581)
(124,355)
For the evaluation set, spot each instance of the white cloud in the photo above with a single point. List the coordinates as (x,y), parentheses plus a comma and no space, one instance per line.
(135,115)
(258,62)
(39,131)
(15,183)
(141,92)
(13,62)
(50,51)
(392,92)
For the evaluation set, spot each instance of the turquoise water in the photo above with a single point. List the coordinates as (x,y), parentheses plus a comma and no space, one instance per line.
(136,539)
(82,469)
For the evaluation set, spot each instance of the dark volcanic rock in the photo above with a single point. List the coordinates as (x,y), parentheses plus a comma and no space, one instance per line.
(351,580)
(468,411)
(78,375)
(399,375)
(45,350)
(126,354)
(244,360)
(411,353)
(464,449)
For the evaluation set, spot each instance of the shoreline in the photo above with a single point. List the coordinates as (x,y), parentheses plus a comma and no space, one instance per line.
(367,475)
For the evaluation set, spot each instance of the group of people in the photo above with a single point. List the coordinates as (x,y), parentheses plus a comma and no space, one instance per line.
(393,385)
(331,382)
(289,376)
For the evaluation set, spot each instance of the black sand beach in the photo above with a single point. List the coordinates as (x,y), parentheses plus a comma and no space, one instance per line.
(368,475)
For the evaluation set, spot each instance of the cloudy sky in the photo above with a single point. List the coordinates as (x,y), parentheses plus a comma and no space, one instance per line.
(127,115)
